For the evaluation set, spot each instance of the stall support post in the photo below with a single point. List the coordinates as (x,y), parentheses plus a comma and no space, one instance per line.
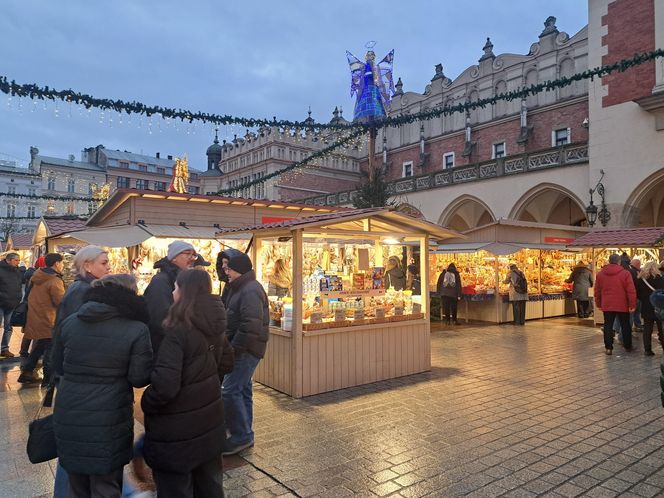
(498,301)
(296,329)
(424,275)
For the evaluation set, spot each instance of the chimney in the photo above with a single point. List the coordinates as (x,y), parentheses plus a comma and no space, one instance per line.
(170,158)
(157,155)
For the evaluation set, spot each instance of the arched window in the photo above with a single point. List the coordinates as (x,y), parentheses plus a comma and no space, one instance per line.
(531,79)
(567,70)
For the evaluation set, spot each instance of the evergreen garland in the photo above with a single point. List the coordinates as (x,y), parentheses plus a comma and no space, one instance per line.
(48,197)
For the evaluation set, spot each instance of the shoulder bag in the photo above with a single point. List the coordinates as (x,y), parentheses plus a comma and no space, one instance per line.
(41,438)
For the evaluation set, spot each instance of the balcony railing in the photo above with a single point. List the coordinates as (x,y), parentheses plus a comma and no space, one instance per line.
(567,155)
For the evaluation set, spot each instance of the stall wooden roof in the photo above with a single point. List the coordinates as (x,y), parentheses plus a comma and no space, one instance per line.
(121,195)
(50,226)
(384,221)
(18,241)
(622,237)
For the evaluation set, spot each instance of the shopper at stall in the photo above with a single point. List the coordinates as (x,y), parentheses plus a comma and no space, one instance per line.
(518,293)
(395,278)
(159,292)
(413,280)
(222,263)
(449,288)
(46,293)
(635,316)
(10,296)
(248,332)
(90,263)
(25,342)
(280,280)
(184,414)
(650,279)
(581,279)
(615,295)
(100,352)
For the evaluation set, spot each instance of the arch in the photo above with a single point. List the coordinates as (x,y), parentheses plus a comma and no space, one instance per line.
(550,203)
(645,205)
(531,78)
(500,107)
(466,212)
(565,70)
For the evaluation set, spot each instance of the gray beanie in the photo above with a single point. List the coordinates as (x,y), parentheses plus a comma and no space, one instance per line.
(178,246)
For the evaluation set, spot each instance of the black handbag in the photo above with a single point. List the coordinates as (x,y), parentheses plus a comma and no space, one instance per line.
(41,438)
(20,313)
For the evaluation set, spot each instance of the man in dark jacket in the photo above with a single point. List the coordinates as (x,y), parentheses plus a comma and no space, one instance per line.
(248,330)
(222,262)
(11,281)
(159,292)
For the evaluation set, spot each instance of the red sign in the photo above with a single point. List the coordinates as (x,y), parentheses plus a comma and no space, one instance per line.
(273,219)
(558,240)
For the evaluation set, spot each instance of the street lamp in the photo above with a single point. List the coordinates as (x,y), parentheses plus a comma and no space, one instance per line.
(592,212)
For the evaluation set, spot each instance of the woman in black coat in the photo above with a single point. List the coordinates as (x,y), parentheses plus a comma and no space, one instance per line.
(100,353)
(449,288)
(184,416)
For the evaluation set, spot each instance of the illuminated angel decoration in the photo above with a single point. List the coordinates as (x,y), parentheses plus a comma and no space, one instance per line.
(373,85)
(180,176)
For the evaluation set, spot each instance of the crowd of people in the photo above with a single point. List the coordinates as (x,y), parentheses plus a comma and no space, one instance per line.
(194,353)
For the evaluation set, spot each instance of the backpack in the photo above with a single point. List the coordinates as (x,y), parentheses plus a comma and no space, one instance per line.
(449,280)
(656,298)
(521,285)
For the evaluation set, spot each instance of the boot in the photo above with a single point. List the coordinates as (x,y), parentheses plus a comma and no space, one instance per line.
(28,377)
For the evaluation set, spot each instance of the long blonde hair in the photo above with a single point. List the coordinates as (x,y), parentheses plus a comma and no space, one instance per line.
(650,270)
(281,276)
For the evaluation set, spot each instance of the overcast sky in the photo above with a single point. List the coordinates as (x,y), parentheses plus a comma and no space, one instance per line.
(253,59)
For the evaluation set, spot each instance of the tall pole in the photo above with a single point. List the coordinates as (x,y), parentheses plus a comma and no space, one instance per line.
(372,153)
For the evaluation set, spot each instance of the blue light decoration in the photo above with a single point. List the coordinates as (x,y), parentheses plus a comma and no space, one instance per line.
(373,85)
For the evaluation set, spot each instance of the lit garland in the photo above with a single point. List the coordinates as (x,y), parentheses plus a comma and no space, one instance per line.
(547,86)
(48,197)
(70,96)
(34,91)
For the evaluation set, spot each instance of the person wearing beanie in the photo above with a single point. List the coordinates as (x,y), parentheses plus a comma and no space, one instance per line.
(159,293)
(248,320)
(222,262)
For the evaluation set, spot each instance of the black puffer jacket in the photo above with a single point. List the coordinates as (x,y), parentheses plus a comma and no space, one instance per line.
(159,297)
(11,281)
(184,415)
(73,298)
(227,253)
(100,352)
(248,316)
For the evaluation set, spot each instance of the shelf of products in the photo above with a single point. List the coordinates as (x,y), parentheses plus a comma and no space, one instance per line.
(344,284)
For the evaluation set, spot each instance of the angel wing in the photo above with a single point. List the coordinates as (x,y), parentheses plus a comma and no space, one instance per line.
(356,67)
(385,67)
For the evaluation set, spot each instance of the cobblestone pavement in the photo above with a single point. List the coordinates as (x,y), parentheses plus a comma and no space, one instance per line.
(505,411)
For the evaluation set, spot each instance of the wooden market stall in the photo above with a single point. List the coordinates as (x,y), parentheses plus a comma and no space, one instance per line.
(21,243)
(50,234)
(338,325)
(539,250)
(646,244)
(136,226)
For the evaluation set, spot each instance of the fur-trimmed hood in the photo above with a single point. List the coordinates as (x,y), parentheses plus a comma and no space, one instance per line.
(111,301)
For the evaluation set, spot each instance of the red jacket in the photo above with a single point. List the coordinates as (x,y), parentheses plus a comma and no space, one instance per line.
(614,289)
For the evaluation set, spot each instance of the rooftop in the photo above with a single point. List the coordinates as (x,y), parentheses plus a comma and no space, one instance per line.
(57,161)
(622,237)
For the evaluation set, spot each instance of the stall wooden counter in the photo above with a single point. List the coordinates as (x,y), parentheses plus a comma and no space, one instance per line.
(354,332)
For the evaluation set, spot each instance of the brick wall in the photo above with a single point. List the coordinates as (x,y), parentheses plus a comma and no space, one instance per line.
(542,123)
(631,29)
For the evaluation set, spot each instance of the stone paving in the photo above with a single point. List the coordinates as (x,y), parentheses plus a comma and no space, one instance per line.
(506,411)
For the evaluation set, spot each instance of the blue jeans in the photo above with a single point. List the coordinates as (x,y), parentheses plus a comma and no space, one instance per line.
(236,392)
(61,486)
(6,316)
(635,316)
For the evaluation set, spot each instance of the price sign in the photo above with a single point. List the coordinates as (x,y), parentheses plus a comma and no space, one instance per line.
(339,315)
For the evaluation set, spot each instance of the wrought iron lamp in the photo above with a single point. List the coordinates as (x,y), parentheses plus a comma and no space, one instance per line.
(593,213)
